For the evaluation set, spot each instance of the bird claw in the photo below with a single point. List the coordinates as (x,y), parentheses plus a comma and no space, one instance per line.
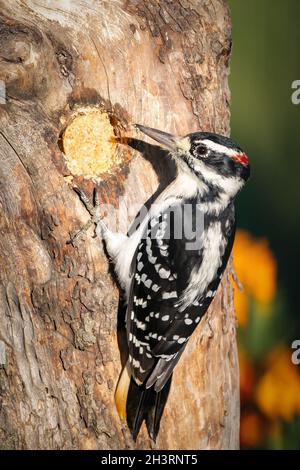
(92,205)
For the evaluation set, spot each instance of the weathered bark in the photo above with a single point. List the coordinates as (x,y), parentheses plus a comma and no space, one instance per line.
(160,63)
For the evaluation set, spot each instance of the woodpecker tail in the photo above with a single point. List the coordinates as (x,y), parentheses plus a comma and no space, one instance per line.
(122,391)
(137,403)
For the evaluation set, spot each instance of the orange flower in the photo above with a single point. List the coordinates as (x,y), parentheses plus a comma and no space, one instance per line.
(278,391)
(246,376)
(241,254)
(256,268)
(251,431)
(241,306)
(262,279)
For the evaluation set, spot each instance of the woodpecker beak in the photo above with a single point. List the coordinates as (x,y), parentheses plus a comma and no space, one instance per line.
(171,142)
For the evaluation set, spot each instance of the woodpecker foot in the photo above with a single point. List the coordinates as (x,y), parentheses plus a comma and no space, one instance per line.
(93,208)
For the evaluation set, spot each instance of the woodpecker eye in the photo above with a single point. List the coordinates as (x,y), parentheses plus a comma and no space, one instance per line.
(199,150)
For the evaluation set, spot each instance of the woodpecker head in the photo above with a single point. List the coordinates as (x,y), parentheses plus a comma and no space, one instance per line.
(213,158)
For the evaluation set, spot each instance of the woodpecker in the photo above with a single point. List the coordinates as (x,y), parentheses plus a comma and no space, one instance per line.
(171,266)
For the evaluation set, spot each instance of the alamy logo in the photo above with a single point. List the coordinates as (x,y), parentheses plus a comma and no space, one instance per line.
(2,354)
(296,353)
(2,92)
(296,94)
(176,222)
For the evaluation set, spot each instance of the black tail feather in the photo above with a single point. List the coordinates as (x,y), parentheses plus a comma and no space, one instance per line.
(155,412)
(135,407)
(145,404)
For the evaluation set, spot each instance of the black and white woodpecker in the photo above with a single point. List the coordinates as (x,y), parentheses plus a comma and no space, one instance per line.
(169,274)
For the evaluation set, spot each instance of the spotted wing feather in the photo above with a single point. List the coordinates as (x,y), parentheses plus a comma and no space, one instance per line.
(157,329)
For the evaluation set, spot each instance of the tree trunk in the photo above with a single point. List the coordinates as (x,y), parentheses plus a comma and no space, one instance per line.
(163,64)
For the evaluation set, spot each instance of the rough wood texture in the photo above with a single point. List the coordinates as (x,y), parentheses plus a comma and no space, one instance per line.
(160,63)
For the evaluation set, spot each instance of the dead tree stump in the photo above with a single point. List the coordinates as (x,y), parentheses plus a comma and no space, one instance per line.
(89,64)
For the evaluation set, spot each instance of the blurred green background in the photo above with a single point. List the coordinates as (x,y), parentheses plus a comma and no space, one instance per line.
(265,122)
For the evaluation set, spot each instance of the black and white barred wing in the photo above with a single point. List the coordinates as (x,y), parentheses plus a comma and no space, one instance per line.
(158,328)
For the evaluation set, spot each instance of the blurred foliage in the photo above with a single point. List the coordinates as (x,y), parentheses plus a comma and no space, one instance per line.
(265,122)
(270,382)
(265,62)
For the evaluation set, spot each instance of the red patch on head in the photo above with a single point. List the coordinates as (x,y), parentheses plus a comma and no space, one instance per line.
(241,158)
